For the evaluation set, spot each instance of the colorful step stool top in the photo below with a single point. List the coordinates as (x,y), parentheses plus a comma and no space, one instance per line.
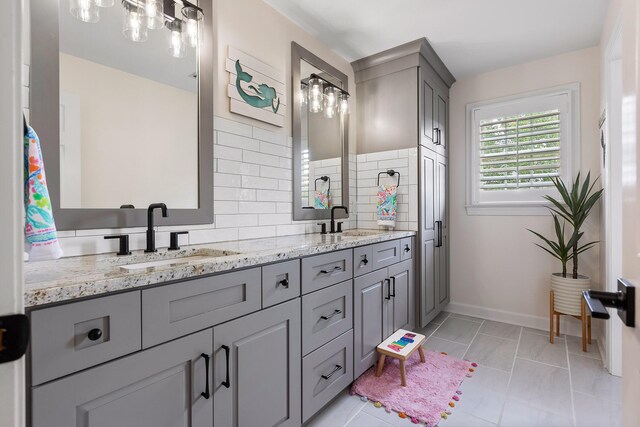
(401,344)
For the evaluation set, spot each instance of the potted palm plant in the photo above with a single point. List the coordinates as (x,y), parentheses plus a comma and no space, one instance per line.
(574,207)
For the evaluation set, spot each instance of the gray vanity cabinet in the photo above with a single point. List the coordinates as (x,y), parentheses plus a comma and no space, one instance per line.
(383,303)
(257,369)
(159,387)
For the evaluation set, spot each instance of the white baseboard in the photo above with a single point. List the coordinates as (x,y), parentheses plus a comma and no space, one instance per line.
(568,325)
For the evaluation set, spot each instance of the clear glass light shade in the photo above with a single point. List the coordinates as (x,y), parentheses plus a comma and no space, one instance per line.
(316,95)
(303,94)
(330,101)
(177,45)
(154,13)
(344,103)
(134,25)
(104,3)
(192,17)
(84,10)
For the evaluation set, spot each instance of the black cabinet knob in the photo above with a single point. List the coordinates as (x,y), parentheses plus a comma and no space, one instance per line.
(406,248)
(365,261)
(284,283)
(94,334)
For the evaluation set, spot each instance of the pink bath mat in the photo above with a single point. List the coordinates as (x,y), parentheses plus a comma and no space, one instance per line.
(432,387)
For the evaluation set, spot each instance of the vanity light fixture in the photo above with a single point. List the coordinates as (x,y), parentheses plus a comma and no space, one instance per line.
(140,15)
(327,97)
(84,10)
(134,26)
(330,101)
(303,93)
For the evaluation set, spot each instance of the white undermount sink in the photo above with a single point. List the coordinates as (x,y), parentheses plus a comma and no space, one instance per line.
(171,262)
(360,233)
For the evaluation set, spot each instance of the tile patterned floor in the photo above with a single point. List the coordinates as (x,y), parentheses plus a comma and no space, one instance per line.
(522,381)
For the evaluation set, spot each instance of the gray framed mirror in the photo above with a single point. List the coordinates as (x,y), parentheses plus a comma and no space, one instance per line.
(124,123)
(320,137)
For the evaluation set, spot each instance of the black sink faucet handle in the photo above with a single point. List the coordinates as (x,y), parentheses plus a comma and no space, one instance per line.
(323,229)
(174,242)
(124,243)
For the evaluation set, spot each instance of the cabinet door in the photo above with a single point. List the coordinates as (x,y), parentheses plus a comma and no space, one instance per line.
(427,111)
(427,235)
(402,300)
(369,292)
(160,387)
(257,369)
(442,251)
(441,121)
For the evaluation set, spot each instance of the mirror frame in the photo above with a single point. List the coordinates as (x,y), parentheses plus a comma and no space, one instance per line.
(298,53)
(45,118)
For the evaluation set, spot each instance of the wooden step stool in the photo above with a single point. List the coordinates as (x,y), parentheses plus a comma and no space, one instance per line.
(400,345)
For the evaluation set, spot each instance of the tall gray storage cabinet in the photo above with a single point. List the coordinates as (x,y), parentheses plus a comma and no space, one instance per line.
(403,102)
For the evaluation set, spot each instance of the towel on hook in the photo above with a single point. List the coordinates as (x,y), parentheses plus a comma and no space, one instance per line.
(322,197)
(40,228)
(387,204)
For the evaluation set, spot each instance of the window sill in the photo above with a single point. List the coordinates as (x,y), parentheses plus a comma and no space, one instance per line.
(507,210)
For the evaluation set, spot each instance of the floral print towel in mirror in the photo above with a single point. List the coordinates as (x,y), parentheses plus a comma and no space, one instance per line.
(40,228)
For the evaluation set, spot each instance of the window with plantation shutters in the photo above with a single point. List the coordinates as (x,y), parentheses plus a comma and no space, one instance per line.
(516,146)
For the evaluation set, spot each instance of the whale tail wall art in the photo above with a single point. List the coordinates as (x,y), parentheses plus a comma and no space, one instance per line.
(255,89)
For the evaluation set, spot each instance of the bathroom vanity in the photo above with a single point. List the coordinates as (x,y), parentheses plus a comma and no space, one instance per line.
(244,333)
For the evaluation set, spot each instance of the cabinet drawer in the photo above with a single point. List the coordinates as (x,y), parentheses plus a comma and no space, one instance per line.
(325,270)
(61,342)
(326,314)
(325,373)
(176,310)
(280,282)
(385,254)
(406,248)
(362,260)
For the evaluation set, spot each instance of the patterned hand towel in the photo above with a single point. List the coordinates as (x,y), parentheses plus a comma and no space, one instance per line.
(40,228)
(322,198)
(387,204)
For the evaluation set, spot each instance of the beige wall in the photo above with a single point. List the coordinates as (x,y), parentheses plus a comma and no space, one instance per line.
(503,270)
(129,141)
(257,29)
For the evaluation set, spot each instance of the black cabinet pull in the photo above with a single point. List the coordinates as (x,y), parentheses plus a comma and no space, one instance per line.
(330,374)
(364,261)
(407,248)
(335,312)
(227,382)
(439,236)
(437,136)
(206,393)
(95,334)
(388,289)
(393,280)
(284,283)
(331,271)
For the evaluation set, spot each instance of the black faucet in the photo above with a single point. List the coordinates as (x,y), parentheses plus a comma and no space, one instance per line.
(151,233)
(333,222)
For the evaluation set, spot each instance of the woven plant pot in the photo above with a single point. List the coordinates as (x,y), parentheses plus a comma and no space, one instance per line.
(567,293)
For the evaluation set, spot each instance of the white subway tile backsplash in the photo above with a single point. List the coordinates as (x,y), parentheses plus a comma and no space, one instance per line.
(222,193)
(274,195)
(268,136)
(286,163)
(259,183)
(256,232)
(227,207)
(214,235)
(260,158)
(240,168)
(239,220)
(231,126)
(274,219)
(227,180)
(284,208)
(275,149)
(228,153)
(237,141)
(290,229)
(273,172)
(285,185)
(257,207)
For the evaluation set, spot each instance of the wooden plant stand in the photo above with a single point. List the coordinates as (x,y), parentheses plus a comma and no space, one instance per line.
(584,318)
(393,347)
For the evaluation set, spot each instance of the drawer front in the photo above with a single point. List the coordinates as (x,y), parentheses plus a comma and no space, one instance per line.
(385,254)
(179,309)
(362,260)
(326,314)
(280,282)
(325,373)
(325,270)
(72,337)
(406,248)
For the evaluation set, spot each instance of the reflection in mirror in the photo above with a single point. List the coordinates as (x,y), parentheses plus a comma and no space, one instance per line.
(321,139)
(128,111)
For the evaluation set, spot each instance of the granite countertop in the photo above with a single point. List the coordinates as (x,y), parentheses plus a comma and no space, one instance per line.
(65,279)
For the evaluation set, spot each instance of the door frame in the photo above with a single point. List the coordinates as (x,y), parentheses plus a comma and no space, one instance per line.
(12,375)
(612,181)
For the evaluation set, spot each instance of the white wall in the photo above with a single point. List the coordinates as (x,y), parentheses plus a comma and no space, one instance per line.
(505,275)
